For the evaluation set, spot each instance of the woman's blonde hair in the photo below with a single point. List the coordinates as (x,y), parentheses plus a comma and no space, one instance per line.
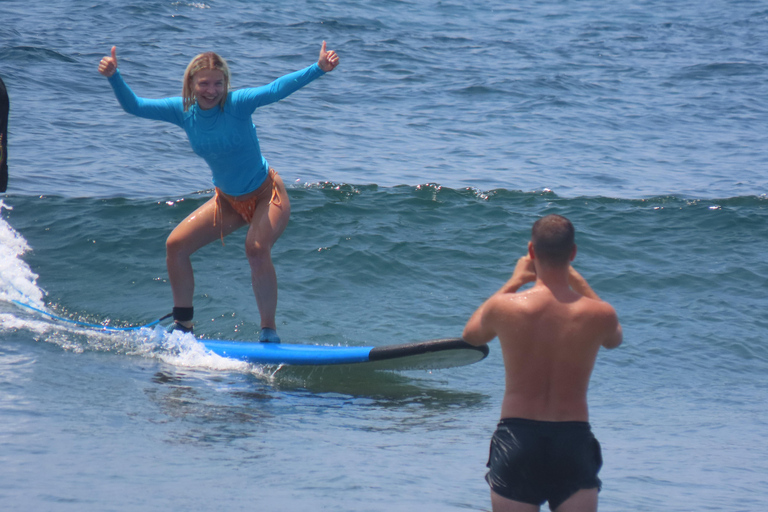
(207,60)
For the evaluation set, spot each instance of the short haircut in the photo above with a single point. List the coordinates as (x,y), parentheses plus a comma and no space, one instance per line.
(553,239)
(207,60)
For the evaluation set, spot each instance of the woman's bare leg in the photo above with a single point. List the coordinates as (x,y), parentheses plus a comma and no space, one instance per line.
(193,233)
(268,223)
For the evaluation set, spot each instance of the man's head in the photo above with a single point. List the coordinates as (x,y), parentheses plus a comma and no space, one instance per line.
(553,243)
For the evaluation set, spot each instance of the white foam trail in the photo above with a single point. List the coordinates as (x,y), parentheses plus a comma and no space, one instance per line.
(175,348)
(17,281)
(180,349)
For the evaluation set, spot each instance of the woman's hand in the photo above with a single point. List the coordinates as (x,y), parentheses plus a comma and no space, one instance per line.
(328,59)
(108,65)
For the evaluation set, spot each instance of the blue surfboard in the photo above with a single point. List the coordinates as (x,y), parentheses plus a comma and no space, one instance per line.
(429,355)
(426,355)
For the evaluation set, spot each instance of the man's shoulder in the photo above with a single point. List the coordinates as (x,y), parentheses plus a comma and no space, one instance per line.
(596,306)
(600,318)
(522,302)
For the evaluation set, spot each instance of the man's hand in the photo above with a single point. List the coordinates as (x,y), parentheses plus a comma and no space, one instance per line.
(525,269)
(108,65)
(525,272)
(328,59)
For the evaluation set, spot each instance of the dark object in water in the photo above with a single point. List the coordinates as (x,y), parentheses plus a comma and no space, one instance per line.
(4,107)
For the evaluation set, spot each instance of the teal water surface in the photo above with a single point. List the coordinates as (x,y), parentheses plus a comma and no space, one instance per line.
(374,266)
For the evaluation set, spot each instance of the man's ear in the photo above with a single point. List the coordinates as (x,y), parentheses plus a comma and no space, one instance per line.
(573,253)
(530,251)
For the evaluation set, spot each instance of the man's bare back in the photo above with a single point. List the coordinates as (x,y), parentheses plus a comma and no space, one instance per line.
(550,334)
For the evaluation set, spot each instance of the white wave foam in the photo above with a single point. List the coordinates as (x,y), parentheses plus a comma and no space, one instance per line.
(17,281)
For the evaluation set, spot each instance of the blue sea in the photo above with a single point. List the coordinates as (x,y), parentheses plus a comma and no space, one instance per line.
(415,171)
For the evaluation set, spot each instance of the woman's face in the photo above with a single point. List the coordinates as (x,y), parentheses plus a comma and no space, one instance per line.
(208,86)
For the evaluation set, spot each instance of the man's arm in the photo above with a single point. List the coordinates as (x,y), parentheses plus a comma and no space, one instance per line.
(479,329)
(616,337)
(580,285)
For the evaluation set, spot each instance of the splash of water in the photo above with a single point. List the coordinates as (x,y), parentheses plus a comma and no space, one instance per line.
(17,281)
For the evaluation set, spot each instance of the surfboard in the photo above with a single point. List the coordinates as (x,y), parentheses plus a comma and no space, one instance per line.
(424,355)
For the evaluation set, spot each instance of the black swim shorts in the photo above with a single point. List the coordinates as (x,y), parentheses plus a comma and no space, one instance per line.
(536,461)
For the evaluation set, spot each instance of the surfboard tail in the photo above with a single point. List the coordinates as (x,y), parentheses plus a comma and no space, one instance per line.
(427,355)
(423,355)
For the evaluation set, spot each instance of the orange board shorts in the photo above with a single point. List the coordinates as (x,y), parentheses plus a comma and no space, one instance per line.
(245,205)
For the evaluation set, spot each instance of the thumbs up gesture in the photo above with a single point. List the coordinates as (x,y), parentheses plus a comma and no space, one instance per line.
(328,59)
(108,65)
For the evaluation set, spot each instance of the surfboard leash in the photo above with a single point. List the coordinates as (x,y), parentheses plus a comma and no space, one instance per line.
(86,324)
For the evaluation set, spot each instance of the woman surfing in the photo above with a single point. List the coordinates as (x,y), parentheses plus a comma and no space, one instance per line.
(248,191)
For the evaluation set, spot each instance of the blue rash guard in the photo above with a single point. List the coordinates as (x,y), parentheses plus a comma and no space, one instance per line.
(226,138)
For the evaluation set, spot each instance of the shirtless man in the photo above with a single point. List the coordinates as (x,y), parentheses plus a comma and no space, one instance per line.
(550,334)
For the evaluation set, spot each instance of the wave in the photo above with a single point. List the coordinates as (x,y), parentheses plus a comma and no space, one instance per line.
(434,190)
(416,258)
(716,70)
(33,54)
(17,281)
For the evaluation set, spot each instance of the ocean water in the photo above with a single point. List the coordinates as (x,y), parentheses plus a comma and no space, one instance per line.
(415,171)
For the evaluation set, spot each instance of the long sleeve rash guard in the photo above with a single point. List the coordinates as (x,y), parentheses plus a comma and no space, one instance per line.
(226,138)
